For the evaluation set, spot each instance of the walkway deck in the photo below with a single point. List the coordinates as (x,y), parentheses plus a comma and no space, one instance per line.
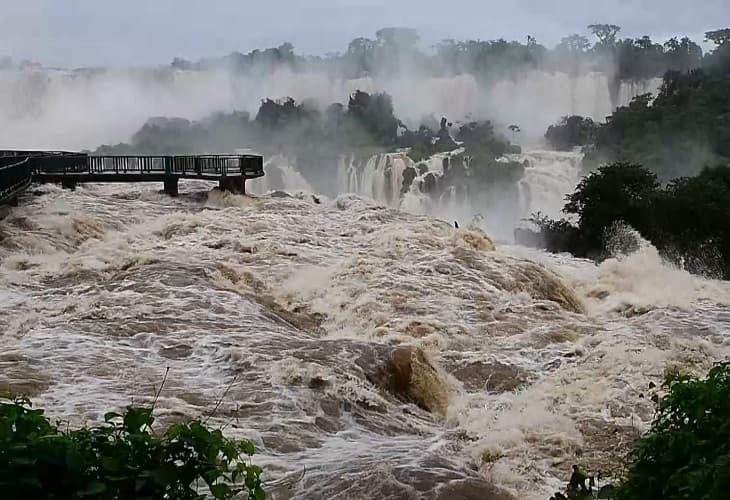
(19,168)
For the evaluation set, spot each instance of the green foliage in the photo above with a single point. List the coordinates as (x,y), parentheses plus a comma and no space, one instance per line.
(374,114)
(606,33)
(690,216)
(685,128)
(424,143)
(686,454)
(119,460)
(554,236)
(570,132)
(483,150)
(617,192)
(282,114)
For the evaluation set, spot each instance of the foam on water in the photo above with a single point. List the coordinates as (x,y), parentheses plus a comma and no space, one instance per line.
(296,302)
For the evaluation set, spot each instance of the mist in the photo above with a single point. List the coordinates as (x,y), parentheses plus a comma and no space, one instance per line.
(57,109)
(518,89)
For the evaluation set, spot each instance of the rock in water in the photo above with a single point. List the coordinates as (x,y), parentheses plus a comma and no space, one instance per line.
(543,284)
(476,239)
(408,373)
(528,237)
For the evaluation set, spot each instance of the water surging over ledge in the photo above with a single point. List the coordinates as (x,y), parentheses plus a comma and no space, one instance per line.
(396,181)
(526,360)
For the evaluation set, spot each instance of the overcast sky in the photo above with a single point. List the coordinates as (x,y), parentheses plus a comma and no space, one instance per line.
(121,32)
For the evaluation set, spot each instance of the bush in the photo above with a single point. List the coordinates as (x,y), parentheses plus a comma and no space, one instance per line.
(686,454)
(570,132)
(120,459)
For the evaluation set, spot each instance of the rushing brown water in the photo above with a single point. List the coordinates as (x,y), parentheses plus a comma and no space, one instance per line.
(309,315)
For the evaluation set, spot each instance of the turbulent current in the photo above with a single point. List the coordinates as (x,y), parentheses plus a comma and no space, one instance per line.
(303,314)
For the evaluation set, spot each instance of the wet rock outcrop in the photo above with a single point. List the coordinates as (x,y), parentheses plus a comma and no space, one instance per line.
(543,284)
(407,373)
(476,239)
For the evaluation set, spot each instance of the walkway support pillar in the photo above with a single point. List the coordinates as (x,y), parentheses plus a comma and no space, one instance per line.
(235,185)
(171,185)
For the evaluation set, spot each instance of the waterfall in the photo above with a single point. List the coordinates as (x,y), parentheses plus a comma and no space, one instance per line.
(280,175)
(381,178)
(549,177)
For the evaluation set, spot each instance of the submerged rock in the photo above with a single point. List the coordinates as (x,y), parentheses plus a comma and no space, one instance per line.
(472,489)
(409,173)
(492,377)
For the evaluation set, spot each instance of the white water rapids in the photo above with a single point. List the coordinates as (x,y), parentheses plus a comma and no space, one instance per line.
(293,302)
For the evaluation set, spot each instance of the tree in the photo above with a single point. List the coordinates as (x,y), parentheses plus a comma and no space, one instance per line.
(574,43)
(374,113)
(617,192)
(278,114)
(606,33)
(682,55)
(361,56)
(683,129)
(691,217)
(718,37)
(402,38)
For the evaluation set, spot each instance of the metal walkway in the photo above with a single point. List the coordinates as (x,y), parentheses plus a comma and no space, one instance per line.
(18,169)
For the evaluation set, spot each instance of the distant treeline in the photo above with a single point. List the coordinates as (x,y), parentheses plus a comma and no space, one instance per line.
(396,50)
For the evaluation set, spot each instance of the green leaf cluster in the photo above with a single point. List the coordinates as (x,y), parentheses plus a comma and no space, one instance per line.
(686,454)
(120,459)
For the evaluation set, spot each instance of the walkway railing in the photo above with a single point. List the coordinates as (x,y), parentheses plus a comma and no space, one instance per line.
(185,166)
(15,176)
(19,168)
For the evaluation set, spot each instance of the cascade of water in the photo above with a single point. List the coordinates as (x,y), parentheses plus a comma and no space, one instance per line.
(280,175)
(549,176)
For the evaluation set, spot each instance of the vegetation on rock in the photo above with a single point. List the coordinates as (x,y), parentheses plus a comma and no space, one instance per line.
(570,132)
(686,220)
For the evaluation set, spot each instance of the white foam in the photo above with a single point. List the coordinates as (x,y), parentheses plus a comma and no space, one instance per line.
(175,282)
